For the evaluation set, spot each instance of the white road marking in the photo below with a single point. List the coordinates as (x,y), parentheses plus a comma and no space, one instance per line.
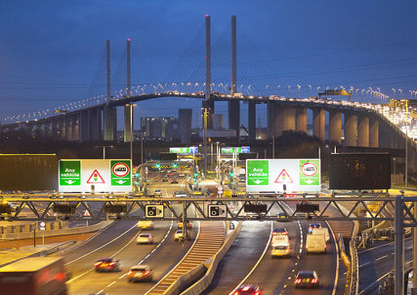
(257,263)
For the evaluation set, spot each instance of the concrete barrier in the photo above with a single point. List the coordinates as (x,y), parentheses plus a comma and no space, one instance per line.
(12,234)
(212,263)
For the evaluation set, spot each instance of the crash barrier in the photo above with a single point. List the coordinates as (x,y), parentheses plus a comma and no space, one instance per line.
(212,264)
(16,232)
(352,286)
(59,248)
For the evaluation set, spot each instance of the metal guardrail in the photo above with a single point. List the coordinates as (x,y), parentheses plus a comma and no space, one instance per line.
(354,272)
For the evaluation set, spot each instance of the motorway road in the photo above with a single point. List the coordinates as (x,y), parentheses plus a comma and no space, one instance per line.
(165,253)
(377,261)
(120,241)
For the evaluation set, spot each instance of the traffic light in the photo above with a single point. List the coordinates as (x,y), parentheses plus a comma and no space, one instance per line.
(175,165)
(158,165)
(195,174)
(137,174)
(231,174)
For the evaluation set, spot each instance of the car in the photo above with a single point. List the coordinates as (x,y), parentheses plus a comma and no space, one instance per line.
(189,225)
(179,235)
(307,279)
(181,174)
(280,231)
(139,273)
(165,179)
(174,180)
(157,192)
(144,238)
(282,217)
(145,224)
(248,290)
(280,250)
(106,264)
(313,225)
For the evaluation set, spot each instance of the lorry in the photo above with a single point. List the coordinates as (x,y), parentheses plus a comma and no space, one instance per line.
(34,276)
(316,243)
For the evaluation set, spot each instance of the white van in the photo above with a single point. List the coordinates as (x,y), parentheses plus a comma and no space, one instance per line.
(316,243)
(322,231)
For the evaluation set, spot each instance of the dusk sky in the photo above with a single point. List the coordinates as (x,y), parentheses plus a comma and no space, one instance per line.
(52,51)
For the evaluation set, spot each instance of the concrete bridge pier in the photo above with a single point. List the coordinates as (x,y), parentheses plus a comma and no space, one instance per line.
(301,114)
(94,124)
(373,132)
(61,128)
(75,127)
(319,123)
(128,123)
(351,129)
(363,131)
(270,119)
(110,123)
(252,121)
(335,125)
(68,128)
(234,116)
(83,128)
(185,117)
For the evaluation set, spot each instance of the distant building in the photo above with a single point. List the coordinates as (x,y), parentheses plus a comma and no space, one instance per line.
(159,128)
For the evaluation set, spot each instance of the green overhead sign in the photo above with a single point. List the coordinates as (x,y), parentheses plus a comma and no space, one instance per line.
(120,172)
(70,172)
(258,172)
(309,172)
(184,150)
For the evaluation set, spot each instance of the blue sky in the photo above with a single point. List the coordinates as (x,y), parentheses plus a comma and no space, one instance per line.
(52,51)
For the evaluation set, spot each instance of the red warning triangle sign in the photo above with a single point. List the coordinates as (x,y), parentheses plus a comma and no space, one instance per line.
(95,178)
(283,177)
(86,213)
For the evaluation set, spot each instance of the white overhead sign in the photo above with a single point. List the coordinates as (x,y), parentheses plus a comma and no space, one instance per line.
(98,175)
(279,175)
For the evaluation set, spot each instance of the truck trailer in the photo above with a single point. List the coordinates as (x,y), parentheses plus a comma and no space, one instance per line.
(34,276)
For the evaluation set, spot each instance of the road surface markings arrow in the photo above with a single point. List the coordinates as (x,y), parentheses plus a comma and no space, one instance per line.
(70,181)
(309,181)
(258,181)
(121,181)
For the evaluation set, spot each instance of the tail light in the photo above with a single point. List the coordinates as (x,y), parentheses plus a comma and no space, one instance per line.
(314,281)
(236,293)
(129,272)
(97,263)
(258,293)
(146,272)
(306,247)
(245,288)
(297,281)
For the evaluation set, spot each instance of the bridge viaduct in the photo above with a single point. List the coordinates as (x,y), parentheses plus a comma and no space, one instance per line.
(362,127)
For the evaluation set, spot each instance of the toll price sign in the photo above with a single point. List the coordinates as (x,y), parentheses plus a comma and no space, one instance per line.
(120,172)
(69,172)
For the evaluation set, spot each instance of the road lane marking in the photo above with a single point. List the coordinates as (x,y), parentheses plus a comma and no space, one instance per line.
(381,257)
(257,263)
(140,262)
(336,279)
(99,248)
